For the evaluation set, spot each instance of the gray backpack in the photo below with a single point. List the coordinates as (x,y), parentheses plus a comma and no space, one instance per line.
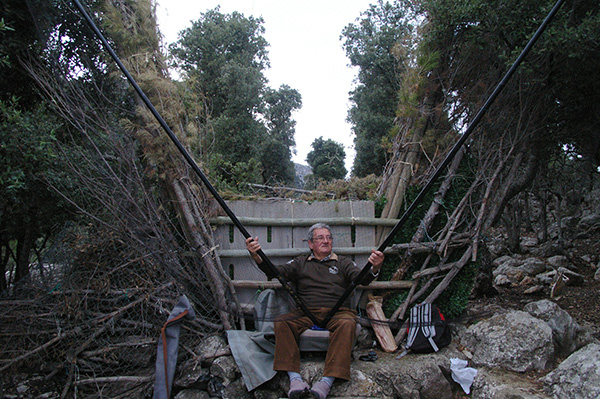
(428,330)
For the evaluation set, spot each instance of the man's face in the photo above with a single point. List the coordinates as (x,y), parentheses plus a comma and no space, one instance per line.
(321,243)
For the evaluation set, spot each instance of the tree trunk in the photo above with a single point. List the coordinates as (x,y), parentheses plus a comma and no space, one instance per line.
(194,226)
(544,215)
(515,182)
(401,169)
(24,247)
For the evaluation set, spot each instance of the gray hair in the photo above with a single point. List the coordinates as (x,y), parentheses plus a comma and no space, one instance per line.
(317,226)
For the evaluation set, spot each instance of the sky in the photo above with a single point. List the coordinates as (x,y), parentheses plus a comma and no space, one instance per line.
(305,53)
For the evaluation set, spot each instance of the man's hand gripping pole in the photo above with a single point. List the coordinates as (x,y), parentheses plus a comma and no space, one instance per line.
(271,271)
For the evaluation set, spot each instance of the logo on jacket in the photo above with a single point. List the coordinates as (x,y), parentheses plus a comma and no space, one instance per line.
(333,270)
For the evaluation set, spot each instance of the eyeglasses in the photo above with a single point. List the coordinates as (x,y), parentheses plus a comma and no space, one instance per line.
(322,238)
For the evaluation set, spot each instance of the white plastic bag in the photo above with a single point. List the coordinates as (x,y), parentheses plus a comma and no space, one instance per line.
(462,374)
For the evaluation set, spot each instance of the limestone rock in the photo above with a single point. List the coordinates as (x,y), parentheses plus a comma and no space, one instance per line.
(532,266)
(502,280)
(192,394)
(360,385)
(266,394)
(507,260)
(235,389)
(564,328)
(225,368)
(209,347)
(514,341)
(529,242)
(192,375)
(589,222)
(558,261)
(424,380)
(578,376)
(491,384)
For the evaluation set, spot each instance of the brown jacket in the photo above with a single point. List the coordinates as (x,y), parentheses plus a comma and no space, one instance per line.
(322,283)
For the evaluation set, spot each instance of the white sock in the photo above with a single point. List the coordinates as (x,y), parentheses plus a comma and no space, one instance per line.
(328,380)
(294,376)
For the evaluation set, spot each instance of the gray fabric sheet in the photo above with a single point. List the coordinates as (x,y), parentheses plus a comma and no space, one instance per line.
(253,356)
(253,350)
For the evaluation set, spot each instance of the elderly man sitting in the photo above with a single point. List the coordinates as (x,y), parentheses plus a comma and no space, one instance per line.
(321,278)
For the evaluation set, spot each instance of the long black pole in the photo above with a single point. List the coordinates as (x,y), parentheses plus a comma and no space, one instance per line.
(269,265)
(448,158)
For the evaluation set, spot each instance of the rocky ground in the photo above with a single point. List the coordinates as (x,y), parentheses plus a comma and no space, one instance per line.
(390,376)
(581,301)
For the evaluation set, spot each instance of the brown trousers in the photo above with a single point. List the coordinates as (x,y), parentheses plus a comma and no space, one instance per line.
(342,335)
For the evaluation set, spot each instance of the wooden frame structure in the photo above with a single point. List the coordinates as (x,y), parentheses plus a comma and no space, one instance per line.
(281,227)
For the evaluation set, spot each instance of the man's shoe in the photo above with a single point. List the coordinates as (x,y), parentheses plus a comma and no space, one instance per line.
(298,389)
(320,390)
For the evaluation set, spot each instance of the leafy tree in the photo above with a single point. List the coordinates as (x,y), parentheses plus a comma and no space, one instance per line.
(542,108)
(145,200)
(29,208)
(370,45)
(327,159)
(521,136)
(17,38)
(577,92)
(277,152)
(223,57)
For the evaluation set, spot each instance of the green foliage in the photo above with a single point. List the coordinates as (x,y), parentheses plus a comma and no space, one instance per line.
(217,41)
(223,57)
(276,158)
(407,231)
(25,150)
(29,164)
(379,205)
(453,301)
(327,159)
(394,302)
(371,45)
(478,41)
(232,141)
(228,176)
(4,60)
(354,188)
(17,37)
(276,163)
(134,33)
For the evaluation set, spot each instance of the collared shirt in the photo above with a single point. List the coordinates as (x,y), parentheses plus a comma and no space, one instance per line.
(312,256)
(321,283)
